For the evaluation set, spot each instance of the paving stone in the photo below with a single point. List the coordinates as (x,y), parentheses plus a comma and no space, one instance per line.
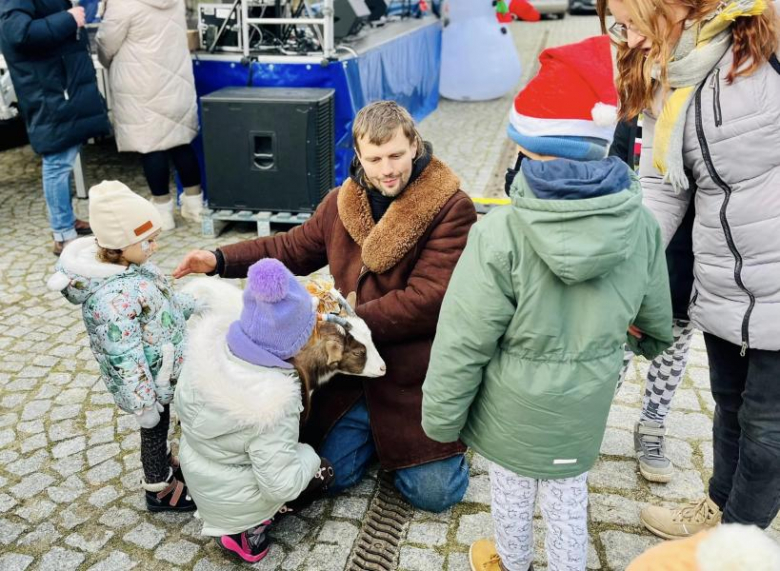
(119,517)
(69,447)
(180,552)
(618,443)
(458,562)
(30,427)
(68,466)
(116,561)
(126,423)
(36,409)
(699,376)
(7,436)
(209,565)
(64,430)
(686,399)
(339,532)
(103,496)
(622,548)
(622,417)
(59,559)
(415,559)
(34,443)
(315,509)
(689,426)
(479,464)
(75,515)
(91,544)
(709,402)
(36,511)
(614,509)
(48,391)
(145,535)
(6,503)
(99,417)
(65,412)
(350,507)
(28,465)
(707,454)
(101,436)
(290,530)
(98,454)
(31,485)
(327,558)
(473,527)
(72,396)
(132,441)
(9,531)
(613,474)
(13,400)
(105,398)
(104,472)
(680,453)
(15,562)
(132,460)
(686,485)
(478,490)
(427,533)
(45,535)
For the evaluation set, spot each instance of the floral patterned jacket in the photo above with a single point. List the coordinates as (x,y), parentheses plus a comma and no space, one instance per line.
(130,313)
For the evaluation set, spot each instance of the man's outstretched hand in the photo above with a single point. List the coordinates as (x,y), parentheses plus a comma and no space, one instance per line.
(196,262)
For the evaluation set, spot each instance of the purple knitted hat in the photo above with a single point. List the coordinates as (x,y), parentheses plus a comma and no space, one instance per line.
(277,319)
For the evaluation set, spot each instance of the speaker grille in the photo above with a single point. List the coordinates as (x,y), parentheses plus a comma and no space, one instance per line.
(325,147)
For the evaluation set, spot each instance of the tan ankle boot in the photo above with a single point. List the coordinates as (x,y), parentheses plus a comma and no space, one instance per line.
(672,523)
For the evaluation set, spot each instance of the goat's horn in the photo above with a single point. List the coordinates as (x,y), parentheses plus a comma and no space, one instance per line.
(343,302)
(337,320)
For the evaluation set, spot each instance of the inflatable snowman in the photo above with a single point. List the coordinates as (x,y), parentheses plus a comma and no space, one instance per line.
(478,60)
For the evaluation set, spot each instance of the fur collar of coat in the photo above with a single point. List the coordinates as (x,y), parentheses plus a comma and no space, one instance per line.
(385,243)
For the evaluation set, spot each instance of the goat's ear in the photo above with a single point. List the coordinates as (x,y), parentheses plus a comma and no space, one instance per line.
(352,299)
(334,350)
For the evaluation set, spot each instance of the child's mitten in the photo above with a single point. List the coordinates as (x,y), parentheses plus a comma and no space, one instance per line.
(162,383)
(149,417)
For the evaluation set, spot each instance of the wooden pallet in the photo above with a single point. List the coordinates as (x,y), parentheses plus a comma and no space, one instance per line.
(215,221)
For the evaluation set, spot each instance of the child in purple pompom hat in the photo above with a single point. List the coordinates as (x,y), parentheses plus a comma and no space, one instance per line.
(239,402)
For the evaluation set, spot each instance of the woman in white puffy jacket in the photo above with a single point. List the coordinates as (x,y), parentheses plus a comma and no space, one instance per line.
(143,44)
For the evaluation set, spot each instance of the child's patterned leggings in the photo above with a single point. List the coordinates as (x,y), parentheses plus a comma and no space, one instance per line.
(665,373)
(564,507)
(154,449)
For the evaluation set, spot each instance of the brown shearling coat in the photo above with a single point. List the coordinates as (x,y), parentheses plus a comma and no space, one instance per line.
(400,269)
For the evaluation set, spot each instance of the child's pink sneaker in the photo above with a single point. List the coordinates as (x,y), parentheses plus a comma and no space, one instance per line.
(250,545)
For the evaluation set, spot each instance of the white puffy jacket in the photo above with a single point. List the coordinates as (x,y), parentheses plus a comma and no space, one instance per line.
(143,43)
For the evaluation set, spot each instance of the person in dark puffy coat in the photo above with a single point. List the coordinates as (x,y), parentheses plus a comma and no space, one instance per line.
(54,80)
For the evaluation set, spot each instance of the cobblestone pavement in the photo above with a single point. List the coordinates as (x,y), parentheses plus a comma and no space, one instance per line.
(69,460)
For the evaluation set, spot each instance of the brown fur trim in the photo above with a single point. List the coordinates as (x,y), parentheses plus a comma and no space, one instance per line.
(404,223)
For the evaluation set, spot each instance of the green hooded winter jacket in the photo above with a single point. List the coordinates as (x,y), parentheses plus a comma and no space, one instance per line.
(531,333)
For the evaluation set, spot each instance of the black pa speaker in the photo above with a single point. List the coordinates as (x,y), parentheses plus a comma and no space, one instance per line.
(348,16)
(268,148)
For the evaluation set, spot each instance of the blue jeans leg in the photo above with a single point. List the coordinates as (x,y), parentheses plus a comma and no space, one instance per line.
(434,486)
(57,168)
(350,447)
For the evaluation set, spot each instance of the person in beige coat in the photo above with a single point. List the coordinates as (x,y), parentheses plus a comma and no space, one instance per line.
(143,44)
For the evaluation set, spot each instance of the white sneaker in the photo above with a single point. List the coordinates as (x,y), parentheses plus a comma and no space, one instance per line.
(166,213)
(192,206)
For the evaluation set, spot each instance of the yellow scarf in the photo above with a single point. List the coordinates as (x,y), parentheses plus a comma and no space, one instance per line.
(671,122)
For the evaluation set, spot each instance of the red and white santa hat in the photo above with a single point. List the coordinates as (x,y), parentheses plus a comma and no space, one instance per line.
(572,95)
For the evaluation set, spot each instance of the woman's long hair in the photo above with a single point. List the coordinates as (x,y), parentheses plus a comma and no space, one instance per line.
(755,39)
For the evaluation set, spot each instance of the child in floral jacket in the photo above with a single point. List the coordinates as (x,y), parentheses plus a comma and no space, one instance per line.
(136,325)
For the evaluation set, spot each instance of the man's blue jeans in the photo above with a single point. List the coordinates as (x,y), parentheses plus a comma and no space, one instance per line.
(433,487)
(57,168)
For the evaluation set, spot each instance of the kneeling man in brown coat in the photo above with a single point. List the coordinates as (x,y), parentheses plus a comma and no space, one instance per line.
(392,233)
